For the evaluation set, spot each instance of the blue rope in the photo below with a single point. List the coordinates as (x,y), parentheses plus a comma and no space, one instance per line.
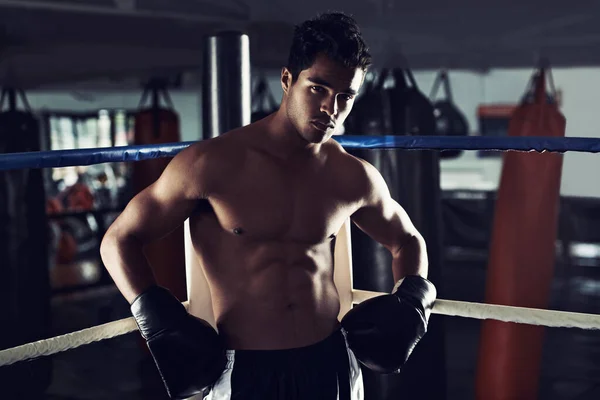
(69,158)
(539,144)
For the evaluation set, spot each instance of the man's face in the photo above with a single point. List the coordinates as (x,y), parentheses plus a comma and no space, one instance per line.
(321,98)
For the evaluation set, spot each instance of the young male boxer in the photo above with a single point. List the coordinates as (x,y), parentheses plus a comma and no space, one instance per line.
(265,203)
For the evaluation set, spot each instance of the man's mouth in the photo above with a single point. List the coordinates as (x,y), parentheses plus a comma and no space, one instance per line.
(322,126)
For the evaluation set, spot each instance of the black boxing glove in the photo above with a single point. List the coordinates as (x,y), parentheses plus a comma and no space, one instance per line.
(187,351)
(383,331)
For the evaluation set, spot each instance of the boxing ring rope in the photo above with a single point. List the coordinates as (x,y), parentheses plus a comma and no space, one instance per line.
(79,157)
(64,158)
(531,316)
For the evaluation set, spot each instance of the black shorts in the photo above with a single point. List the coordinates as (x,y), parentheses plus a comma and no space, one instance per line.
(326,370)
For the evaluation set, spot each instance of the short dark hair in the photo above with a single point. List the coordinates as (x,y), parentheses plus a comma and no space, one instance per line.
(334,34)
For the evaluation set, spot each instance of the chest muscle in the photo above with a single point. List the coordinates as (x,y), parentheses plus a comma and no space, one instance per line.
(271,201)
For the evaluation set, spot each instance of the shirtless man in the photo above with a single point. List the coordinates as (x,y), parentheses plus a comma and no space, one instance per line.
(265,203)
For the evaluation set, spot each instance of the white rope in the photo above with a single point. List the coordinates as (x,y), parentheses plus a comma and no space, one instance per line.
(109,330)
(69,341)
(530,316)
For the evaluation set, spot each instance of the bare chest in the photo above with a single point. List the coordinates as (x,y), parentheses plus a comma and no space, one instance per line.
(268,200)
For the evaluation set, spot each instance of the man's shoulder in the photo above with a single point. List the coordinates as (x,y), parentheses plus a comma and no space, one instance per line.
(219,150)
(352,171)
(349,162)
(209,162)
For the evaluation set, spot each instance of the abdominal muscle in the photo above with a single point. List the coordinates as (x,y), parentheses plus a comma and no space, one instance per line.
(272,296)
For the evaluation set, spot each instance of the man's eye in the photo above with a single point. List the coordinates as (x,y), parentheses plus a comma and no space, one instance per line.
(316,88)
(347,97)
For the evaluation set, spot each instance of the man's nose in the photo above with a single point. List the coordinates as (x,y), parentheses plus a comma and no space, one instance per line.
(329,105)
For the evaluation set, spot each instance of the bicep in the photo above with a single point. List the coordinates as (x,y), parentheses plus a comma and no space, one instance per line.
(161,207)
(380,216)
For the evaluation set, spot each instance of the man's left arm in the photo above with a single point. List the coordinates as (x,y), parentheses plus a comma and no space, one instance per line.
(386,222)
(383,331)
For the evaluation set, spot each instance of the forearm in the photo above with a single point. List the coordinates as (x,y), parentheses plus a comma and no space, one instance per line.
(410,258)
(126,263)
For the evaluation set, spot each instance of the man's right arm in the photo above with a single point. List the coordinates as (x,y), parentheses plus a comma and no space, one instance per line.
(187,351)
(150,215)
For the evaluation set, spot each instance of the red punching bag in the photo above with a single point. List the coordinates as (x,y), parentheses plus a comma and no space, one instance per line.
(522,251)
(154,125)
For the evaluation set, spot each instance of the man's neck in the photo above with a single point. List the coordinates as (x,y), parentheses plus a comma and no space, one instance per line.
(285,138)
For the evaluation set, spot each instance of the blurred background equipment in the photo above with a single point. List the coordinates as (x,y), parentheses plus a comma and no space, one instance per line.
(449,120)
(263,102)
(24,264)
(154,124)
(226,83)
(83,200)
(522,249)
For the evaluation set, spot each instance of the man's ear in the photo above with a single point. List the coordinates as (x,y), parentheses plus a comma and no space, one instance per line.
(286,79)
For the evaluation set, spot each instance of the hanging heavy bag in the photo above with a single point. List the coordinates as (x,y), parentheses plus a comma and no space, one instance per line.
(155,124)
(24,260)
(393,105)
(449,120)
(416,186)
(263,102)
(371,117)
(522,250)
(371,262)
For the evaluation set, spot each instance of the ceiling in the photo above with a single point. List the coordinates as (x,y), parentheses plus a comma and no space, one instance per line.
(49,42)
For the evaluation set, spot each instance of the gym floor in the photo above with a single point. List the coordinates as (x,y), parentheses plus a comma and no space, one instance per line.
(119,368)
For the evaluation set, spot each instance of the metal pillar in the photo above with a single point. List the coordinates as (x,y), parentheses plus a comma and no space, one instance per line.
(226,89)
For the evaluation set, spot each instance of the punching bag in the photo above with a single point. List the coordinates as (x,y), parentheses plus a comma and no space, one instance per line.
(449,120)
(522,252)
(226,84)
(371,116)
(24,255)
(417,189)
(413,179)
(154,125)
(263,102)
(371,262)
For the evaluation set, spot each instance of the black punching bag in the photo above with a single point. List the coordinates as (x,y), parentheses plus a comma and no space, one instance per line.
(413,179)
(24,259)
(371,117)
(449,120)
(417,189)
(372,263)
(263,102)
